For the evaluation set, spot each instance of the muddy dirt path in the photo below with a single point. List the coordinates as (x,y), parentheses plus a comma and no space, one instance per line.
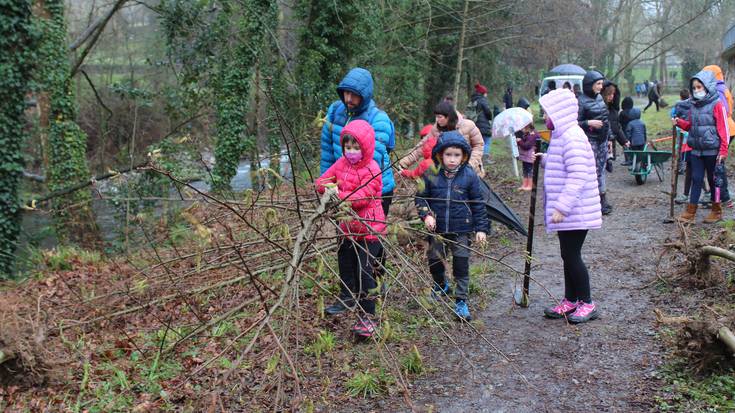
(605,365)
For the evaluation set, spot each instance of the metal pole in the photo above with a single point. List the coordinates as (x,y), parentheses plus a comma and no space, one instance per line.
(531,219)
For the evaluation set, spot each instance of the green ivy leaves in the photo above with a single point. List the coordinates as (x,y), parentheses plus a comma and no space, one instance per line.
(17,41)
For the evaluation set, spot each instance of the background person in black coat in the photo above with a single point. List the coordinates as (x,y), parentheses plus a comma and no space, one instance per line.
(653,96)
(508,97)
(594,121)
(611,96)
(484,115)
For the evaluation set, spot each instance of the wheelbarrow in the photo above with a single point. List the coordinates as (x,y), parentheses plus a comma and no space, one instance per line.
(645,161)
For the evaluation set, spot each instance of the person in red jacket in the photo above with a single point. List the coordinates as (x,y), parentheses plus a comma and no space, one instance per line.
(356,179)
(708,138)
(426,149)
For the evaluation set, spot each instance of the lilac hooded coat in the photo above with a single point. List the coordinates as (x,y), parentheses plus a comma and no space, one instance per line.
(570,178)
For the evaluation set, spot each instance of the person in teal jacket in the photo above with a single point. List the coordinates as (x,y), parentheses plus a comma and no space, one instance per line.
(356,102)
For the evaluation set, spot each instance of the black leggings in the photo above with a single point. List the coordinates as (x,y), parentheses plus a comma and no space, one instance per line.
(380,269)
(356,260)
(576,277)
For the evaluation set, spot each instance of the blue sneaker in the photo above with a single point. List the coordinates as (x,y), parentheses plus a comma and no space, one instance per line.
(462,311)
(438,292)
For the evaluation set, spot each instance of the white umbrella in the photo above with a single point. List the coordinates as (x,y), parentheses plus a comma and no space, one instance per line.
(507,123)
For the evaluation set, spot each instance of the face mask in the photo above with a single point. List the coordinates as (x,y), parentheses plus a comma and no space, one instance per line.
(700,95)
(549,124)
(353,157)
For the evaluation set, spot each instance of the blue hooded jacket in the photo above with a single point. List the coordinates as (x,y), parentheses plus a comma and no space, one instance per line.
(636,129)
(456,203)
(359,81)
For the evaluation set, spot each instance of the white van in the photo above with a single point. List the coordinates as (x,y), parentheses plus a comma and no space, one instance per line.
(560,79)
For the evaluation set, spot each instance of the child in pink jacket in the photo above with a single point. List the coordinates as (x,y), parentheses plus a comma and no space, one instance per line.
(526,141)
(571,201)
(359,183)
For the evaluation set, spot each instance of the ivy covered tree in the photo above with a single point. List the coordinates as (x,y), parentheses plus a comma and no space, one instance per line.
(67,142)
(246,25)
(333,37)
(17,39)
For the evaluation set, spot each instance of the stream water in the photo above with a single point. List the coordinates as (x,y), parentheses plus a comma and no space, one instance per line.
(110,212)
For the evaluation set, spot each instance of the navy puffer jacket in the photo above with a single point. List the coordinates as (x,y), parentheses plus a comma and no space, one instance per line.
(592,107)
(457,202)
(624,117)
(636,129)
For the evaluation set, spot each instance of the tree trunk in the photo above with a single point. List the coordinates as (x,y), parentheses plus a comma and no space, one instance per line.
(44,103)
(628,36)
(17,45)
(73,215)
(458,71)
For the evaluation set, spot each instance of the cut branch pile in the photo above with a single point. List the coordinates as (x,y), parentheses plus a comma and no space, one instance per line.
(234,303)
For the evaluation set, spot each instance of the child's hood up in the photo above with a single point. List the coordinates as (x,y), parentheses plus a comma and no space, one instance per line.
(364,134)
(561,106)
(709,81)
(634,114)
(447,139)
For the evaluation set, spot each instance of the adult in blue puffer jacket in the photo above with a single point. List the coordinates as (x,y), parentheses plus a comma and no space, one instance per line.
(356,102)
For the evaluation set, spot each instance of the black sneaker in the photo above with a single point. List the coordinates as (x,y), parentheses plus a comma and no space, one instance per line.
(340,306)
(609,166)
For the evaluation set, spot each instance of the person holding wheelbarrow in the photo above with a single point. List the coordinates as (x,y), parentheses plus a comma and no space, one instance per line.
(572,201)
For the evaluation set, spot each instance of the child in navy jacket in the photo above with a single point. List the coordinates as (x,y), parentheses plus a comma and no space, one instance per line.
(451,205)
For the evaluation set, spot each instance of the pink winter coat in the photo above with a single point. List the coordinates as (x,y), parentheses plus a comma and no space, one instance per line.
(570,178)
(360,184)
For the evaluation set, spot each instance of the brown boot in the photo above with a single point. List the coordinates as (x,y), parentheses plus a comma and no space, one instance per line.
(689,215)
(715,214)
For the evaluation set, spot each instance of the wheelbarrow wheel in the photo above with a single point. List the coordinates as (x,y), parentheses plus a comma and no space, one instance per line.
(640,179)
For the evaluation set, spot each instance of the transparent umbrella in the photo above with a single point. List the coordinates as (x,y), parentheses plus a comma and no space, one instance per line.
(511,120)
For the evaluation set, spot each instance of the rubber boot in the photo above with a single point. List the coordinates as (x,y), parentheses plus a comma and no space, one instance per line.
(715,214)
(606,208)
(527,182)
(689,215)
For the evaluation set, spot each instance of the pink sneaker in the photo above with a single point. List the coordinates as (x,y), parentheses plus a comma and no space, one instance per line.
(364,328)
(584,313)
(565,307)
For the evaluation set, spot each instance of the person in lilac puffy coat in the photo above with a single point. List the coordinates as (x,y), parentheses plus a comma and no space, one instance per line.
(571,201)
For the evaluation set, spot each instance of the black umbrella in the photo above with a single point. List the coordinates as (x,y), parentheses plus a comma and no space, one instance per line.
(568,69)
(499,212)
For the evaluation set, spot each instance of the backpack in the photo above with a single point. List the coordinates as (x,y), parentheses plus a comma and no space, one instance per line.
(472,111)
